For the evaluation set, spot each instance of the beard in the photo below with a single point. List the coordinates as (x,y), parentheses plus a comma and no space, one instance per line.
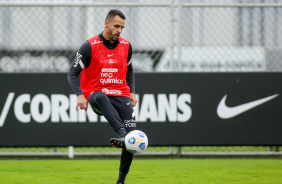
(112,36)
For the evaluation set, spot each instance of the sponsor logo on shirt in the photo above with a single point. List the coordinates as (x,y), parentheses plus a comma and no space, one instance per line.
(111,61)
(122,41)
(111,92)
(109,70)
(111,81)
(95,42)
(107,74)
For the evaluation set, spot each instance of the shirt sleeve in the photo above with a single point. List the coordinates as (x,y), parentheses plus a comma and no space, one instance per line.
(130,78)
(82,59)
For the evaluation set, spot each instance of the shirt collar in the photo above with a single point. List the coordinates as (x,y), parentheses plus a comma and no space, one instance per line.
(107,42)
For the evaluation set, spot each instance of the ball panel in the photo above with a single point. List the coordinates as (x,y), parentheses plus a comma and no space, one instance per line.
(131,140)
(142,146)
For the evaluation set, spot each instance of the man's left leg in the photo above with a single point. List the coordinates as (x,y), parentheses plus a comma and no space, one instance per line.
(125,163)
(100,102)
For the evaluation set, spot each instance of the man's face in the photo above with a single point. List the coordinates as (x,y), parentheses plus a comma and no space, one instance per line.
(114,28)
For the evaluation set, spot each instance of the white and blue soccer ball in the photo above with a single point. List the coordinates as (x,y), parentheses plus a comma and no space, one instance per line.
(136,142)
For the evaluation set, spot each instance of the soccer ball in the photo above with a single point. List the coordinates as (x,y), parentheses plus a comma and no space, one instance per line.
(136,142)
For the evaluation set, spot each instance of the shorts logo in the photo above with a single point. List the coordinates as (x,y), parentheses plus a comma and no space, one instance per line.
(130,123)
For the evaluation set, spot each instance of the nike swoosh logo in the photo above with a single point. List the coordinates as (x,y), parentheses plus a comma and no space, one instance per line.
(109,55)
(225,112)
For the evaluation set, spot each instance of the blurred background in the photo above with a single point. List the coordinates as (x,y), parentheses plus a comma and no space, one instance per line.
(166,35)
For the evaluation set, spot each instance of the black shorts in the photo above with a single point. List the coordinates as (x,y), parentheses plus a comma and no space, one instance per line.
(117,110)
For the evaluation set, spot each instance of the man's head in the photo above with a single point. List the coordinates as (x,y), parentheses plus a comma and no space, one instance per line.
(114,23)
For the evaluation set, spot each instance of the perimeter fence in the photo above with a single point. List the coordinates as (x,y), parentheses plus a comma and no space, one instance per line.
(167,36)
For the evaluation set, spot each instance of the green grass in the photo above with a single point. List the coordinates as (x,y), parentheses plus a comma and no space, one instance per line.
(143,171)
(149,149)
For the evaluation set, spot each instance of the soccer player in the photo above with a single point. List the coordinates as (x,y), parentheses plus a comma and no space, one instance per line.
(107,82)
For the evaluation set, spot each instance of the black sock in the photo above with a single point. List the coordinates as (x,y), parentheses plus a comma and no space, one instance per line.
(121,178)
(121,132)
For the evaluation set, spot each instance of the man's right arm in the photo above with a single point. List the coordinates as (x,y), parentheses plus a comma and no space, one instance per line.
(82,59)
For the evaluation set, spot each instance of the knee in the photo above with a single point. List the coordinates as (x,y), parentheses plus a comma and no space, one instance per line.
(100,97)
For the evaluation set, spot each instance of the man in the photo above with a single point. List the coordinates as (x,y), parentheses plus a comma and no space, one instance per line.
(107,82)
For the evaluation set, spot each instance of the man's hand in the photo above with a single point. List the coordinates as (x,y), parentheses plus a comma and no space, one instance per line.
(133,99)
(82,103)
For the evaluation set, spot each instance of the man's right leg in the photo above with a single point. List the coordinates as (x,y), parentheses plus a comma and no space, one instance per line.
(109,112)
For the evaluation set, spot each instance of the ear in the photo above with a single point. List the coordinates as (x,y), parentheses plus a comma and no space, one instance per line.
(107,23)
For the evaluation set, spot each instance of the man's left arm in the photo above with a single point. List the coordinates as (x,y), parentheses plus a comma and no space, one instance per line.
(130,78)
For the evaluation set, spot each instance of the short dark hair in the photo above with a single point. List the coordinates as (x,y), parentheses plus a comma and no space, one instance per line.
(113,13)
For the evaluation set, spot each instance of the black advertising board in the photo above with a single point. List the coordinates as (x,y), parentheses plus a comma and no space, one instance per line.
(174,109)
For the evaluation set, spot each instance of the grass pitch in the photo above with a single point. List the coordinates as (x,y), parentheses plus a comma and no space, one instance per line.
(149,171)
